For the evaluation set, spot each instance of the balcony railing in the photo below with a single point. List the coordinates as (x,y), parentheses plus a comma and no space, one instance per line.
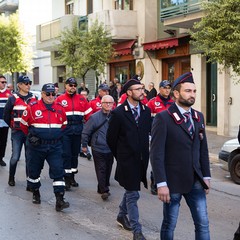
(182,9)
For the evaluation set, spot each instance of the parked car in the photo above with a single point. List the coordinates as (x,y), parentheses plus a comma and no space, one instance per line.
(230,153)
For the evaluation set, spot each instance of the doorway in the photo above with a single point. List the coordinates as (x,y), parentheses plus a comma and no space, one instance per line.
(211,79)
(174,67)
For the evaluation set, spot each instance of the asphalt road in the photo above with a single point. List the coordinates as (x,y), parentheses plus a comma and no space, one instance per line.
(89,217)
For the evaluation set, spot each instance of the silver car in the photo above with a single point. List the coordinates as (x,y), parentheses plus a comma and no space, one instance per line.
(230,153)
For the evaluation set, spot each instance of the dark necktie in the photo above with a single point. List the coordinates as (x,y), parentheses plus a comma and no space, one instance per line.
(135,114)
(189,123)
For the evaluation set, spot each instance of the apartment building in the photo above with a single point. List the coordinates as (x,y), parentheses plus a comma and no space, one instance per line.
(150,38)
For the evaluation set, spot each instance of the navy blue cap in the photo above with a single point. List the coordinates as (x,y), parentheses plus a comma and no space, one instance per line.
(104,87)
(48,87)
(23,79)
(164,83)
(186,77)
(71,80)
(129,83)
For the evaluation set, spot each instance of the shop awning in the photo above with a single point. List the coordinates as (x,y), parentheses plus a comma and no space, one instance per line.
(166,43)
(124,48)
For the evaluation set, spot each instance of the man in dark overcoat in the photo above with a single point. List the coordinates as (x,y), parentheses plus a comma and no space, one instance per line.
(128,139)
(180,161)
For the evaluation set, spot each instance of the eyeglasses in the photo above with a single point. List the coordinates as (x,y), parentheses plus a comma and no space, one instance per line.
(108,103)
(50,94)
(138,89)
(3,82)
(73,85)
(27,83)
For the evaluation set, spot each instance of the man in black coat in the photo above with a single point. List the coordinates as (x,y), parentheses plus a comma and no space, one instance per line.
(180,161)
(128,139)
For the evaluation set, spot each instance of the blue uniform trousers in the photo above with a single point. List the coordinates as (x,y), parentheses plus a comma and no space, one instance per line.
(52,153)
(71,146)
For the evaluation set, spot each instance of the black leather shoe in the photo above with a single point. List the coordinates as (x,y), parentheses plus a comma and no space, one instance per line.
(11,181)
(29,189)
(36,197)
(138,236)
(2,163)
(83,155)
(124,223)
(89,156)
(105,195)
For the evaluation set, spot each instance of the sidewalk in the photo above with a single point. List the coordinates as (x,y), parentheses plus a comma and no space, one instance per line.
(215,143)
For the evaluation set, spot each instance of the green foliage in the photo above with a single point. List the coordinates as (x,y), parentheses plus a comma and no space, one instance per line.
(14,48)
(217,35)
(84,50)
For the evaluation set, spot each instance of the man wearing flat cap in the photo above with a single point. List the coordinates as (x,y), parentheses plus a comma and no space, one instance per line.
(43,122)
(128,139)
(180,161)
(158,104)
(77,109)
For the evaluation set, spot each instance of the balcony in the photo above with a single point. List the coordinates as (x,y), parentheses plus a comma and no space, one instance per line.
(182,15)
(8,6)
(48,33)
(122,24)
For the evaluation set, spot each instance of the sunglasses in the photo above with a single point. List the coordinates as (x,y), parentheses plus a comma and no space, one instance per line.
(3,82)
(27,83)
(72,85)
(50,94)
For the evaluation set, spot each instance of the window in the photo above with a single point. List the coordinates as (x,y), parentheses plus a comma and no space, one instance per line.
(36,75)
(171,3)
(124,4)
(89,6)
(69,6)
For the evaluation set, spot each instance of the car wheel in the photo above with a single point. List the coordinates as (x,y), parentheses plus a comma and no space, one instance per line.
(234,169)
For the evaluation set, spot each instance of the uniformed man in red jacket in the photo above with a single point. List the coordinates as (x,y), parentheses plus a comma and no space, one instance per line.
(96,104)
(44,122)
(12,115)
(77,109)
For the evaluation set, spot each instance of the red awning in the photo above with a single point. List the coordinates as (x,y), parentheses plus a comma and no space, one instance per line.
(166,43)
(124,48)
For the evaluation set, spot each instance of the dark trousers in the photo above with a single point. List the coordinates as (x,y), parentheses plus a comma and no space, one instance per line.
(103,167)
(3,141)
(71,146)
(52,153)
(18,139)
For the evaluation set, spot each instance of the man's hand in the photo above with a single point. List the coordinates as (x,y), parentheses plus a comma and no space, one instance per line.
(207,181)
(84,149)
(163,194)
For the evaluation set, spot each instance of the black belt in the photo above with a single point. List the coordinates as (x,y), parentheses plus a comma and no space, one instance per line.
(51,141)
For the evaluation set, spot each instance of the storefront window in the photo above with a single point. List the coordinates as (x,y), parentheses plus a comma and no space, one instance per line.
(171,72)
(124,4)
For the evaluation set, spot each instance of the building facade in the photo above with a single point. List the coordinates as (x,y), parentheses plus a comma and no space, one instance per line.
(151,39)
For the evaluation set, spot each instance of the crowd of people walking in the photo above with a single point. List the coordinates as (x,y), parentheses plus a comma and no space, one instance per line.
(117,124)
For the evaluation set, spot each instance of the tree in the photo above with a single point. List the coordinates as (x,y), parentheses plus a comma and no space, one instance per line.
(16,55)
(217,35)
(82,50)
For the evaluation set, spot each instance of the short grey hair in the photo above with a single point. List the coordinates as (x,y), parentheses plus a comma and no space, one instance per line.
(107,96)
